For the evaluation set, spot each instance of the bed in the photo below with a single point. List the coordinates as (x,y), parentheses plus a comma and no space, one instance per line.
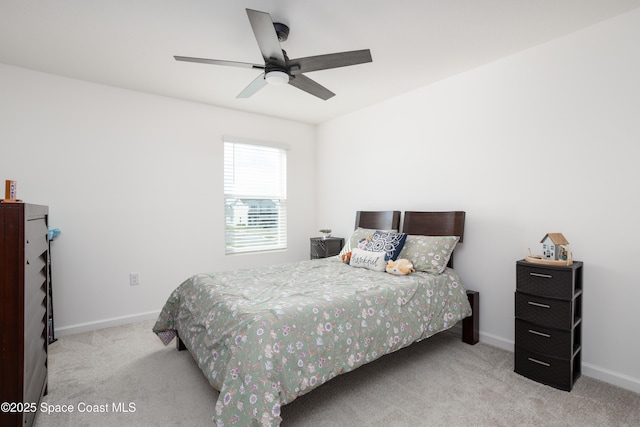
(264,336)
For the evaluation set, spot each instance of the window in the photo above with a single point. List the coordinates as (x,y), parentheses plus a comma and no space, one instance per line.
(255,196)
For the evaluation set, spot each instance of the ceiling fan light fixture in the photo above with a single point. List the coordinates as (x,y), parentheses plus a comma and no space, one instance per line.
(277,77)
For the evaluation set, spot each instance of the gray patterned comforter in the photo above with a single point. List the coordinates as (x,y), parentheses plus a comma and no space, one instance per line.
(264,336)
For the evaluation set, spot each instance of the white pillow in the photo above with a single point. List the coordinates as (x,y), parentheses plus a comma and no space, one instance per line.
(366,259)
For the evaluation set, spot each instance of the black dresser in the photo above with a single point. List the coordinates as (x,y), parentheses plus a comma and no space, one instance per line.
(548,323)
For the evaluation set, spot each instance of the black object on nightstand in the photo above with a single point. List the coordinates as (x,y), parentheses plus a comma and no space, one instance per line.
(322,247)
(548,323)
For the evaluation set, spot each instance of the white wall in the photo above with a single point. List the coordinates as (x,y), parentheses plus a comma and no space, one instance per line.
(134,182)
(544,141)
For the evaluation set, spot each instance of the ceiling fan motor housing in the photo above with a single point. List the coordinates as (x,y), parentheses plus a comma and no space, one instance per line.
(282,31)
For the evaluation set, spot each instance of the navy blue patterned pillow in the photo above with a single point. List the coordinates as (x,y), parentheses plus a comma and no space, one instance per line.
(386,241)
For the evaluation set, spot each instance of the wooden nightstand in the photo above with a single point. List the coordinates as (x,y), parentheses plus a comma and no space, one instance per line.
(325,247)
(548,323)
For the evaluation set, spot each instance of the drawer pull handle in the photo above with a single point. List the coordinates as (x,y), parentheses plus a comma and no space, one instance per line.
(539,362)
(537,304)
(542,334)
(546,276)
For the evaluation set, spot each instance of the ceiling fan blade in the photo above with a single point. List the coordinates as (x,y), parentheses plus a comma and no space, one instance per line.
(306,84)
(266,36)
(331,60)
(253,87)
(219,62)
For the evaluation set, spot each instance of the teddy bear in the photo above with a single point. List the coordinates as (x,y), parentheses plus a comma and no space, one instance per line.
(346,257)
(400,267)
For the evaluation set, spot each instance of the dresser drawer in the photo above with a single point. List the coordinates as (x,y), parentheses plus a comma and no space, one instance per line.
(544,340)
(545,311)
(547,281)
(558,373)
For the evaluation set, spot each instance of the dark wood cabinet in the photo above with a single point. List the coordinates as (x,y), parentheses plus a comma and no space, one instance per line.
(548,323)
(24,258)
(323,247)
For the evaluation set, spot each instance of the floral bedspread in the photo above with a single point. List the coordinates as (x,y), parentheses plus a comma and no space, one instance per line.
(264,336)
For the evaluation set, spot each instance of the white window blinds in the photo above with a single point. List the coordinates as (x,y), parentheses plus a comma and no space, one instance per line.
(255,192)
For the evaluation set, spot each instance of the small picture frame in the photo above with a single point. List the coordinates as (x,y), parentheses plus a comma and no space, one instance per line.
(10,191)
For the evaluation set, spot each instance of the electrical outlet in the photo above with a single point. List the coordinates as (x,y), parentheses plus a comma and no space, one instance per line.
(134,279)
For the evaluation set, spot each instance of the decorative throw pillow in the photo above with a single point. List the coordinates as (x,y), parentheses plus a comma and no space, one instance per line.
(367,259)
(358,235)
(429,253)
(386,241)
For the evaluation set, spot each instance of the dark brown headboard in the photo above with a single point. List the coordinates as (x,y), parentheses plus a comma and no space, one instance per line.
(435,224)
(379,220)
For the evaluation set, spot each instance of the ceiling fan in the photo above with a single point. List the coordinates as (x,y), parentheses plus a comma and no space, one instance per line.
(278,68)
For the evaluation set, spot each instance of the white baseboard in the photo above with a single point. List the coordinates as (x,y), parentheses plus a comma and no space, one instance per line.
(611,377)
(497,341)
(105,323)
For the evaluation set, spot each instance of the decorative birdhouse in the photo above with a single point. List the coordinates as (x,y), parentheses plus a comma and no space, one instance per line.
(555,246)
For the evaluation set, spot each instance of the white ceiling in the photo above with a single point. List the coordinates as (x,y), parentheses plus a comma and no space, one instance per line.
(131,43)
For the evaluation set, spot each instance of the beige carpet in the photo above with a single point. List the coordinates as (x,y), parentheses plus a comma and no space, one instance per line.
(438,382)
